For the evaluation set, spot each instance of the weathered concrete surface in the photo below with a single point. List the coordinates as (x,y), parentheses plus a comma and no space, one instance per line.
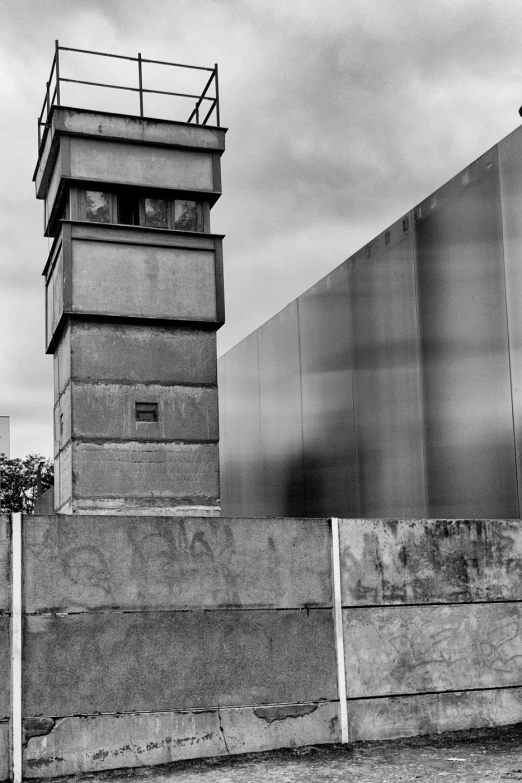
(127,662)
(429,561)
(430,713)
(4,750)
(5,668)
(63,479)
(62,360)
(142,235)
(143,281)
(54,298)
(62,421)
(5,563)
(108,411)
(474,756)
(146,473)
(76,564)
(114,127)
(125,352)
(142,129)
(118,127)
(98,742)
(252,729)
(141,164)
(412,649)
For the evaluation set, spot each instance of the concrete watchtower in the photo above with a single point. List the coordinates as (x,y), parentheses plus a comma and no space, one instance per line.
(134,297)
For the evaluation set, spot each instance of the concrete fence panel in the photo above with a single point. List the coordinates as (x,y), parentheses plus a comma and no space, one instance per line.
(195,636)
(432,623)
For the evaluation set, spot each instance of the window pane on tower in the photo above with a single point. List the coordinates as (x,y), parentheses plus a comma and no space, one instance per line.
(156,212)
(185,216)
(97,206)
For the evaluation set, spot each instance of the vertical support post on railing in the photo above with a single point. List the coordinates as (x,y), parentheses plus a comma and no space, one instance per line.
(47,101)
(140,80)
(197,113)
(57,56)
(16,648)
(217,94)
(338,628)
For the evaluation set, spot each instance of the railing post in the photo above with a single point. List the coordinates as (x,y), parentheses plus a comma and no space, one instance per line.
(47,100)
(57,56)
(197,113)
(217,94)
(140,79)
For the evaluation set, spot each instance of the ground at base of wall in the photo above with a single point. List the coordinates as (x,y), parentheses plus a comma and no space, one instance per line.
(471,756)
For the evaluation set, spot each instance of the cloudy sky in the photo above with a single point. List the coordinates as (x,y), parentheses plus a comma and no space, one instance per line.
(342,114)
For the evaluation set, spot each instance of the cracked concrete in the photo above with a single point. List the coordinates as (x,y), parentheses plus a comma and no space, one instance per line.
(475,756)
(222,732)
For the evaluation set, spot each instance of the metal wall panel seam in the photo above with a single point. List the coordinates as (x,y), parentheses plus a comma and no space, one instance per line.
(354,370)
(419,362)
(513,418)
(301,398)
(338,627)
(16,649)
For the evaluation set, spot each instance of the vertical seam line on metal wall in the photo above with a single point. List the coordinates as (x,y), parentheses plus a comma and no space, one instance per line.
(301,398)
(517,472)
(352,371)
(338,628)
(260,420)
(420,364)
(16,648)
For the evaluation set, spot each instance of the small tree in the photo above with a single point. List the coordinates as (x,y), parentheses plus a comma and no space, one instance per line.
(22,480)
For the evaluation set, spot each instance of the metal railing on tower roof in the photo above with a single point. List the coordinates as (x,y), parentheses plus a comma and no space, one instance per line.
(53,92)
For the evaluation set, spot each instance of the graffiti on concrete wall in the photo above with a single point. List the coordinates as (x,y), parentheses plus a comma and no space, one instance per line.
(412,649)
(419,561)
(86,563)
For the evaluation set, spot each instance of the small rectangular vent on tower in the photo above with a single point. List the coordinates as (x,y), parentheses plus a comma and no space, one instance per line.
(147,411)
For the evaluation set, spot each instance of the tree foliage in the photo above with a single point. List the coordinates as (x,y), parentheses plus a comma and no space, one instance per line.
(22,480)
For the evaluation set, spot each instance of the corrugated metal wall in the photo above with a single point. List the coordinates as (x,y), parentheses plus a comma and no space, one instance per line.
(393,387)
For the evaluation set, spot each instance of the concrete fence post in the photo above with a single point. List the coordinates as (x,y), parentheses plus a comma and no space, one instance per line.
(16,648)
(338,628)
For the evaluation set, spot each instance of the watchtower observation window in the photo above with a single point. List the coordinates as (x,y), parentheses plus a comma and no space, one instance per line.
(98,206)
(132,208)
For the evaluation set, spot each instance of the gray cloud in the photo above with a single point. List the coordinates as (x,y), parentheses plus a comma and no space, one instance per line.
(341,116)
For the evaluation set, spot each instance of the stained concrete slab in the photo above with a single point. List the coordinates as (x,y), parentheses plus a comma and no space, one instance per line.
(412,649)
(428,561)
(86,563)
(130,352)
(5,563)
(98,742)
(140,164)
(431,713)
(130,661)
(5,750)
(148,472)
(5,668)
(474,756)
(143,281)
(104,410)
(252,729)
